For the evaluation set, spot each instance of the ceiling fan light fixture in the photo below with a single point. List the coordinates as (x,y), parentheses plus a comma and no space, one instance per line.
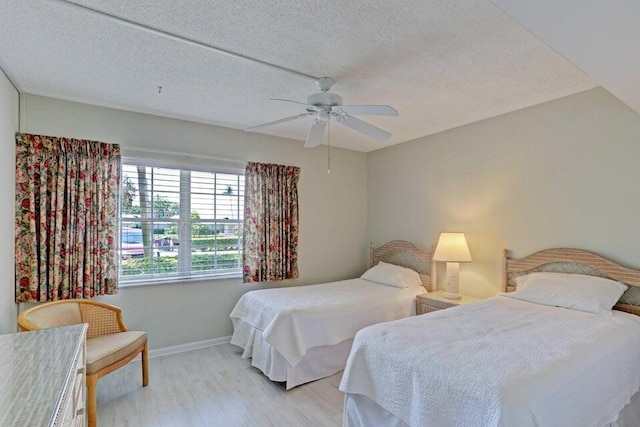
(323,116)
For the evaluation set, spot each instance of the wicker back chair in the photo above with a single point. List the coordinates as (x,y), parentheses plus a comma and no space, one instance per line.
(109,344)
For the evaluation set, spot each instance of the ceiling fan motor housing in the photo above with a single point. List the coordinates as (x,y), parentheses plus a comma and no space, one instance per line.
(324,100)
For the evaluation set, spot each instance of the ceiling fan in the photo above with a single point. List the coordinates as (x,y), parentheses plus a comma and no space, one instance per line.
(324,106)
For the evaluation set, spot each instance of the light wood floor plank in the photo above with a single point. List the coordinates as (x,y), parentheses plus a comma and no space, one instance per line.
(213,387)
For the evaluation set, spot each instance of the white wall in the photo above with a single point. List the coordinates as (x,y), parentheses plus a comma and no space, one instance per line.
(333,219)
(8,128)
(564,173)
(561,174)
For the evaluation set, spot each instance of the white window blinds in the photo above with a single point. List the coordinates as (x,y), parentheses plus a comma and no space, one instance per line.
(178,223)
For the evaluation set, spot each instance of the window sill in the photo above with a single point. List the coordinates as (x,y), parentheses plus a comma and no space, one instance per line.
(177,280)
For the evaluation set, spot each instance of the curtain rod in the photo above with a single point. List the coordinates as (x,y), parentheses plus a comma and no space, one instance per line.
(131,152)
(177,37)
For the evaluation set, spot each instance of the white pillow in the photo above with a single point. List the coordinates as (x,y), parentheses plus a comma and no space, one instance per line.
(392,275)
(576,291)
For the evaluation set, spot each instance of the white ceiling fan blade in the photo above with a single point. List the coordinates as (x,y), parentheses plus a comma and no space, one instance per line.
(275,122)
(365,128)
(314,138)
(370,110)
(288,100)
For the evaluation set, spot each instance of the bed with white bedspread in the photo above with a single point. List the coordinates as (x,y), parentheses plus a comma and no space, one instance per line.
(303,333)
(503,361)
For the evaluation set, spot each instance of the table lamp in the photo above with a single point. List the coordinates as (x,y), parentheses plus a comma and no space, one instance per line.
(452,248)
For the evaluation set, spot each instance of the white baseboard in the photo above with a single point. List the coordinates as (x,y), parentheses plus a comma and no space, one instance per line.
(174,349)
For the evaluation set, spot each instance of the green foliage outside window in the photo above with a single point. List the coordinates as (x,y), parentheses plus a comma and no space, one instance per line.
(169,265)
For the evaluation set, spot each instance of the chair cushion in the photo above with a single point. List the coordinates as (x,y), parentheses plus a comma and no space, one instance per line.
(108,349)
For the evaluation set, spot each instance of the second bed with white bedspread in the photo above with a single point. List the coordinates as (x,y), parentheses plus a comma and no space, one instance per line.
(499,362)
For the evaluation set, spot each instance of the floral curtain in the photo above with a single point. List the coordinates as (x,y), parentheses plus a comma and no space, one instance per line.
(270,238)
(66,218)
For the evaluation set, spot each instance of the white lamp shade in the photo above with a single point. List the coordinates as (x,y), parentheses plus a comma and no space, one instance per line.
(452,247)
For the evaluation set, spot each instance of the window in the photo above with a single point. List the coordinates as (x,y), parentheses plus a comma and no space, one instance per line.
(177,223)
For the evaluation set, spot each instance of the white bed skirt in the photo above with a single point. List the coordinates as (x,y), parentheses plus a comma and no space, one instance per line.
(318,362)
(360,411)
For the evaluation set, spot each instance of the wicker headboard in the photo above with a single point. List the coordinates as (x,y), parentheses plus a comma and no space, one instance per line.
(575,261)
(405,254)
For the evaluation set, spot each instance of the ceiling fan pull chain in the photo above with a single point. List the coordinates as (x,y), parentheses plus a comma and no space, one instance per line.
(328,146)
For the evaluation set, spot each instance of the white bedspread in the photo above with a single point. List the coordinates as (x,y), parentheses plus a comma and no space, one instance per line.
(499,362)
(296,319)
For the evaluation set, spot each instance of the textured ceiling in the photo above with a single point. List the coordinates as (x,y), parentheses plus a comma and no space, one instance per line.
(602,38)
(440,63)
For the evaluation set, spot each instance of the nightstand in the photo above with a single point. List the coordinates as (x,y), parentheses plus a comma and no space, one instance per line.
(434,301)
